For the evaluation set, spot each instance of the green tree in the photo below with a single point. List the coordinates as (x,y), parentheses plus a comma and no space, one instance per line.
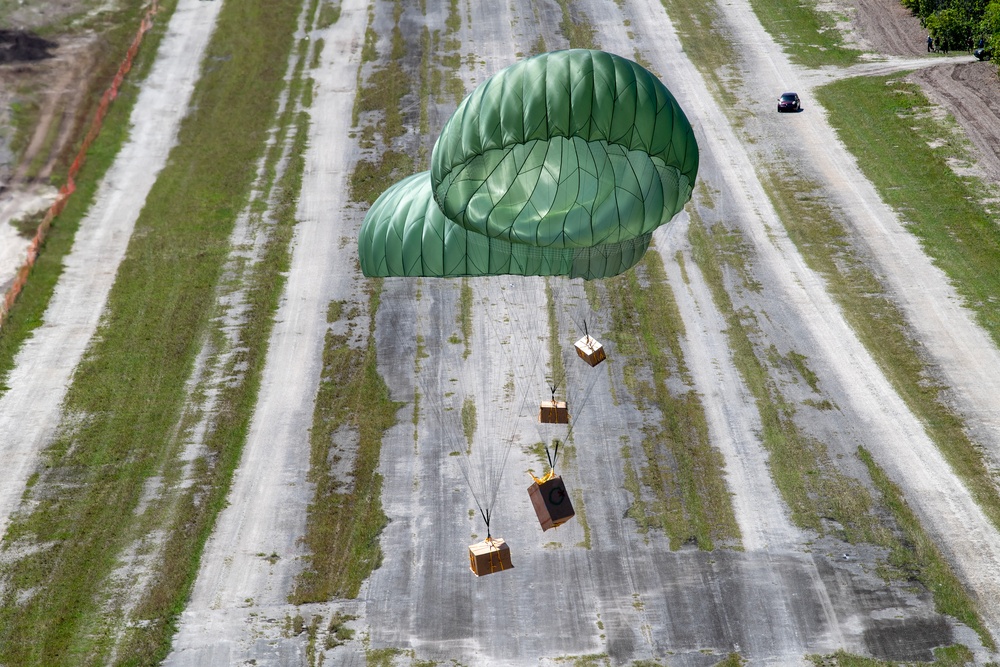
(989,27)
(952,26)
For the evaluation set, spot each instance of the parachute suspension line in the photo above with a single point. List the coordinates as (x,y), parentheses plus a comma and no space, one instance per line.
(486,518)
(553,455)
(485,487)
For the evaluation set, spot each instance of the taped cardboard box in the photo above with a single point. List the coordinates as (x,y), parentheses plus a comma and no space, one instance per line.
(590,350)
(489,556)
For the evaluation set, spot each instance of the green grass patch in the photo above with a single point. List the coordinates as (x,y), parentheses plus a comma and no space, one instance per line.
(329,13)
(576,28)
(732,660)
(379,103)
(345,518)
(469,422)
(945,656)
(465,316)
(557,373)
(337,632)
(387,84)
(681,468)
(580,510)
(808,35)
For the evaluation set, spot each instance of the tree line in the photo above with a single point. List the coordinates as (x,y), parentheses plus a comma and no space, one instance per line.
(960,24)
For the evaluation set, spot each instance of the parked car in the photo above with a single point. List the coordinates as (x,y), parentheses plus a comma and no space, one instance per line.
(789,102)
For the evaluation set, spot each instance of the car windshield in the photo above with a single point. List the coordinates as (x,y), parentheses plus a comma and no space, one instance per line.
(788,97)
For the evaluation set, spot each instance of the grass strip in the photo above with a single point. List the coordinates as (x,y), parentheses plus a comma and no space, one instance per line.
(922,560)
(809,36)
(127,394)
(382,98)
(345,518)
(557,378)
(577,30)
(29,309)
(683,470)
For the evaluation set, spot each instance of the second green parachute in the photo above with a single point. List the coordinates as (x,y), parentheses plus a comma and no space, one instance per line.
(560,165)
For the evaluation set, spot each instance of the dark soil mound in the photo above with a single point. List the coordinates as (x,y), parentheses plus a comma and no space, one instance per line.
(21,46)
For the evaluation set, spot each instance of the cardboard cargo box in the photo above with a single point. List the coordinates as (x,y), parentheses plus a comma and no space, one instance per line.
(551,502)
(553,412)
(590,350)
(489,556)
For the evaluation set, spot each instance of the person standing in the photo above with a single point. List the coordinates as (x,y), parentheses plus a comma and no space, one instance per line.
(930,43)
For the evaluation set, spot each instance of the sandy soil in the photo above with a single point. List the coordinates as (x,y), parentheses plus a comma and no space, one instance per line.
(57,83)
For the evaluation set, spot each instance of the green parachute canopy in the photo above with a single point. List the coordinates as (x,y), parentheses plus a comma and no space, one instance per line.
(560,165)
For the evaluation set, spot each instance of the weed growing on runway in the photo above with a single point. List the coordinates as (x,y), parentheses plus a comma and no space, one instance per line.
(581,516)
(382,99)
(557,372)
(469,422)
(465,316)
(577,30)
(329,13)
(681,468)
(944,656)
